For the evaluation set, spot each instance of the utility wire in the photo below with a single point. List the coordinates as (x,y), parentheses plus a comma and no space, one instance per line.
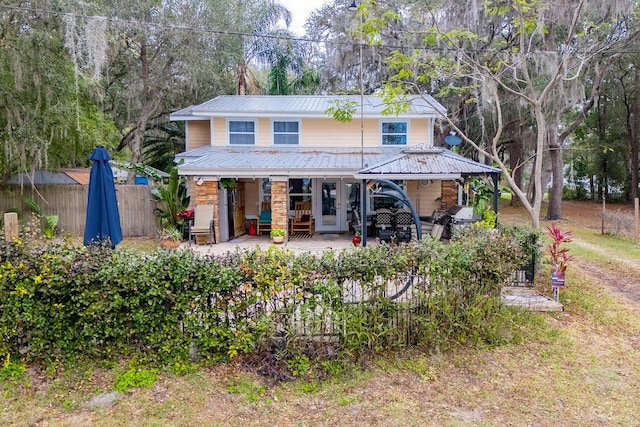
(270,36)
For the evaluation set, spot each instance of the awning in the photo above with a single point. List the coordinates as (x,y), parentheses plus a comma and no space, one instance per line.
(426,162)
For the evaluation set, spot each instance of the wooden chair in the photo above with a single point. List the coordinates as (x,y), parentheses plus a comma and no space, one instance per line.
(264,221)
(202,224)
(302,221)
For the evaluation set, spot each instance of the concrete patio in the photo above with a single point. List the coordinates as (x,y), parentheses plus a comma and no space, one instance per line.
(302,243)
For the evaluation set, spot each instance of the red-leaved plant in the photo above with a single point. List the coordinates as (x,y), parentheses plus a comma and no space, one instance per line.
(559,256)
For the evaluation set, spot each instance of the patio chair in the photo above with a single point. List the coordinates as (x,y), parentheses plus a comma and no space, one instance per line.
(404,221)
(202,224)
(264,221)
(302,220)
(384,218)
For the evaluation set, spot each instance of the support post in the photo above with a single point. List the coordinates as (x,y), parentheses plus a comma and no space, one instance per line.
(363,212)
(10,226)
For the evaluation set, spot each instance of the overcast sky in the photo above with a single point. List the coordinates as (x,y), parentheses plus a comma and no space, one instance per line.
(300,10)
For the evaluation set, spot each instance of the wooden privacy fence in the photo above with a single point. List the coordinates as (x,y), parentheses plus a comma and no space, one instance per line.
(135,202)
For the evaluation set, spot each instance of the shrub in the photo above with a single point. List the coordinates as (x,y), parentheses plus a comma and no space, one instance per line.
(60,301)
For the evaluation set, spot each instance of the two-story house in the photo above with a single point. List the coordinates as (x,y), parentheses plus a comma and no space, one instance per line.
(242,151)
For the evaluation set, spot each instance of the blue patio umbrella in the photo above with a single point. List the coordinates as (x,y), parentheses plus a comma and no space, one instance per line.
(103,217)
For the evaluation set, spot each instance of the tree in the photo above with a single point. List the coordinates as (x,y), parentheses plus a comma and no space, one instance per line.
(48,118)
(258,37)
(534,52)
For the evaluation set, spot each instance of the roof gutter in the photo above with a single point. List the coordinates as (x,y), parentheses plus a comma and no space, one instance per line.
(265,173)
(442,176)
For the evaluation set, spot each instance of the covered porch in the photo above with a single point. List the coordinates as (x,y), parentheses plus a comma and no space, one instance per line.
(241,181)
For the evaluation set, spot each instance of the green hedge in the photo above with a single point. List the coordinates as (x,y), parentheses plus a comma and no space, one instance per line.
(61,301)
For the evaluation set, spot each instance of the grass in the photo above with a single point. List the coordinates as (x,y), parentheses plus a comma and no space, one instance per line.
(577,367)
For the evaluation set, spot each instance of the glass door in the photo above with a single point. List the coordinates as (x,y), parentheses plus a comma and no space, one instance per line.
(330,203)
(333,211)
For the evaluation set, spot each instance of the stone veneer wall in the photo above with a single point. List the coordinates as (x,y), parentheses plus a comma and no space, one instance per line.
(449,195)
(207,194)
(279,210)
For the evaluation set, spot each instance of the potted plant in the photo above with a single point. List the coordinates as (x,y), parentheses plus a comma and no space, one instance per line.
(357,239)
(277,235)
(170,237)
(559,257)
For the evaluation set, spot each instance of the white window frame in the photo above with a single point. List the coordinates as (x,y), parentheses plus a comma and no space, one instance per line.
(382,134)
(274,133)
(254,133)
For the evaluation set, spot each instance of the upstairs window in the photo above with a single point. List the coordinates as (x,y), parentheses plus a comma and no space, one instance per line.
(394,133)
(242,132)
(286,132)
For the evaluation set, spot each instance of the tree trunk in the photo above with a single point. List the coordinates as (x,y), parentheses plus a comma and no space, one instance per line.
(635,137)
(241,87)
(515,161)
(554,210)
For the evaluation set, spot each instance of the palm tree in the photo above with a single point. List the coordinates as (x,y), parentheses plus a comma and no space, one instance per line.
(262,38)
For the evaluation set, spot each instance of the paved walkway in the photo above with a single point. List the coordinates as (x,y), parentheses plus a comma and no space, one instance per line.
(297,243)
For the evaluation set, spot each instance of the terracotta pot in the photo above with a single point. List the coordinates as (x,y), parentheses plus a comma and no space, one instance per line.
(169,244)
(277,239)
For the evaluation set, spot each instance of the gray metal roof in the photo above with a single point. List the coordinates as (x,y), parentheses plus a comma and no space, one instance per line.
(302,106)
(417,162)
(423,161)
(42,177)
(255,161)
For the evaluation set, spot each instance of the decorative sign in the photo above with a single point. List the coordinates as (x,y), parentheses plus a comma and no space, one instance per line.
(452,140)
(557,279)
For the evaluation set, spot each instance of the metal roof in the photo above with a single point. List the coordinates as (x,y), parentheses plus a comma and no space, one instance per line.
(256,161)
(417,162)
(44,177)
(303,106)
(423,161)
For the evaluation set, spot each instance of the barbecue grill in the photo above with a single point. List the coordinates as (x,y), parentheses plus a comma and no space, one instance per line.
(456,216)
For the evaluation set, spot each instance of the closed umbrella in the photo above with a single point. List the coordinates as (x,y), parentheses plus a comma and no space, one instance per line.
(103,218)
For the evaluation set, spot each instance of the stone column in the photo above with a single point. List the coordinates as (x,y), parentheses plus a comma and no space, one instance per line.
(449,195)
(279,206)
(207,194)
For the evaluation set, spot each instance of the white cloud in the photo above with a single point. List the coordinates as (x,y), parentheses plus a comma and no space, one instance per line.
(300,10)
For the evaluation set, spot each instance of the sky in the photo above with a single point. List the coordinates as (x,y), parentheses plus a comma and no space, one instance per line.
(300,10)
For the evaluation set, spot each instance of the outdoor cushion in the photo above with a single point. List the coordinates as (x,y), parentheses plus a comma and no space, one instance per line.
(265,216)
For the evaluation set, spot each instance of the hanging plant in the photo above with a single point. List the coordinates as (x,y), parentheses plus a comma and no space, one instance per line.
(228,183)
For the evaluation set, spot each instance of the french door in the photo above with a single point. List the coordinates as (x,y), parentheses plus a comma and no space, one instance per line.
(334,200)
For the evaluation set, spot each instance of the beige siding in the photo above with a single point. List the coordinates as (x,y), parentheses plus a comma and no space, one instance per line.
(199,134)
(220,131)
(264,132)
(313,133)
(425,199)
(418,131)
(251,194)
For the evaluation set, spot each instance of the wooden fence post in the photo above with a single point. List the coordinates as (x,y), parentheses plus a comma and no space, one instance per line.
(10,226)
